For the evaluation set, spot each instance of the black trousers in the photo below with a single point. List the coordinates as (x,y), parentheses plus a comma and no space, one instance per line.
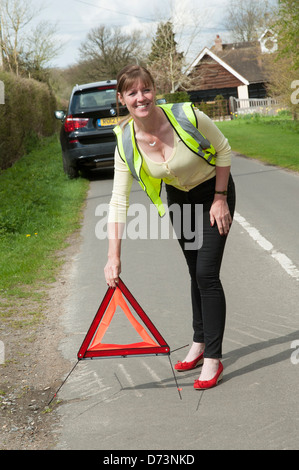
(204,261)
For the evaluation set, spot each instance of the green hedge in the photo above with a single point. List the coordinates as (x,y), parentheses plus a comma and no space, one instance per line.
(28,113)
(177,97)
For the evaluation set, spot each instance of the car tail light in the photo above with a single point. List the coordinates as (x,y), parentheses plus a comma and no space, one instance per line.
(72,123)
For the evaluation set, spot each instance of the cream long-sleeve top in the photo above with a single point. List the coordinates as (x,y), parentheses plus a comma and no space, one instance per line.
(183,169)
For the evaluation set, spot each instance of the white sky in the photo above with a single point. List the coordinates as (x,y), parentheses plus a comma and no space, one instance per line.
(75,18)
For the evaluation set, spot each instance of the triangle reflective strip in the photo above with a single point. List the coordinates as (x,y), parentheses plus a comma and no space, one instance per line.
(116,300)
(92,346)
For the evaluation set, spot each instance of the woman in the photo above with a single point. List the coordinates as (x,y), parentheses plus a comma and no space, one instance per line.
(181,146)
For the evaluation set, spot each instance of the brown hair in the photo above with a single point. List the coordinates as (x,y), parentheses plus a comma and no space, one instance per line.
(129,75)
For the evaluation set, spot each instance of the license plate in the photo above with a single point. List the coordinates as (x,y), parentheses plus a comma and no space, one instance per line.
(108,121)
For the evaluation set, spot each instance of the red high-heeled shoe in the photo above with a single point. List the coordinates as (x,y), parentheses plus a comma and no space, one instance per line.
(180,366)
(205,384)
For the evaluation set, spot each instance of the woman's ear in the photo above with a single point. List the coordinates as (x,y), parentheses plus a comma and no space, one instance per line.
(120,98)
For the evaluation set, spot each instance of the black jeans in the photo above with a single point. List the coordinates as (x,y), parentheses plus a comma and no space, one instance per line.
(204,262)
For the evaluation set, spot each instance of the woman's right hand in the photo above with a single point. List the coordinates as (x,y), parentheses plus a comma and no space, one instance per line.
(112,271)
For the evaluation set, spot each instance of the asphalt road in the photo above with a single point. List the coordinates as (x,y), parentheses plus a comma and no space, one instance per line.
(133,403)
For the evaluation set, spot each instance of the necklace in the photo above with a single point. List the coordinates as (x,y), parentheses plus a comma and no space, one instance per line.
(153,144)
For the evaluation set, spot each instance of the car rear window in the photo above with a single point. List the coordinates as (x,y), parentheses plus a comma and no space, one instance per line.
(93,99)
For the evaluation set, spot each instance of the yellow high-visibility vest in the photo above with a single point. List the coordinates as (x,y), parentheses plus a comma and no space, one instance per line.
(183,119)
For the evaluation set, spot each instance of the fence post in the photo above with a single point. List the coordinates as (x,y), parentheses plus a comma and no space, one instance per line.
(231,103)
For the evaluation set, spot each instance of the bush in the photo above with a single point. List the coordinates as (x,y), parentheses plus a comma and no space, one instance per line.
(177,97)
(28,114)
(216,109)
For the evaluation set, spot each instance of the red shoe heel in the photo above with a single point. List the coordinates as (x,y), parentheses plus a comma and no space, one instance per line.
(181,366)
(205,384)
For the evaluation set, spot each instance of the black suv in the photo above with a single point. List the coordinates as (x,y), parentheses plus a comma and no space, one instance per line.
(86,137)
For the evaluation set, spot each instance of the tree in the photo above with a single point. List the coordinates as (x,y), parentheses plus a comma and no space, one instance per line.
(107,50)
(287,29)
(164,60)
(280,77)
(15,15)
(283,66)
(40,48)
(247,19)
(23,51)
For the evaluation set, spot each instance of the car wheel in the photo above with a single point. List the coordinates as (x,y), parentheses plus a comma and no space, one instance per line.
(69,170)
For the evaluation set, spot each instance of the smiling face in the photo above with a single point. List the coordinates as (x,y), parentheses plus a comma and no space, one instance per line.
(139,98)
(136,89)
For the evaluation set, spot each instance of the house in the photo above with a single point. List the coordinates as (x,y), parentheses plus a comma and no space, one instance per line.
(234,69)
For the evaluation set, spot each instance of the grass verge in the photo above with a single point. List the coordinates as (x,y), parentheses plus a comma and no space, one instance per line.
(39,208)
(273,140)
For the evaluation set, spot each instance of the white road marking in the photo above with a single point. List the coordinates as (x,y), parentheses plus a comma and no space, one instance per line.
(285,262)
(129,379)
(155,376)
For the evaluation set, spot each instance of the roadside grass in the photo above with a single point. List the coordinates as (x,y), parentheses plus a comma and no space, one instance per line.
(273,140)
(39,208)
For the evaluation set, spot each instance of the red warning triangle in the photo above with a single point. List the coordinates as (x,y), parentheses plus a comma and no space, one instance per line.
(92,345)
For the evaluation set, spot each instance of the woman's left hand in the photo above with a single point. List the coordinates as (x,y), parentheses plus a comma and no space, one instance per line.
(220,213)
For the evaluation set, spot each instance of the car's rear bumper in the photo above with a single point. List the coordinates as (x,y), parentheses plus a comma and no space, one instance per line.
(91,156)
(94,161)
